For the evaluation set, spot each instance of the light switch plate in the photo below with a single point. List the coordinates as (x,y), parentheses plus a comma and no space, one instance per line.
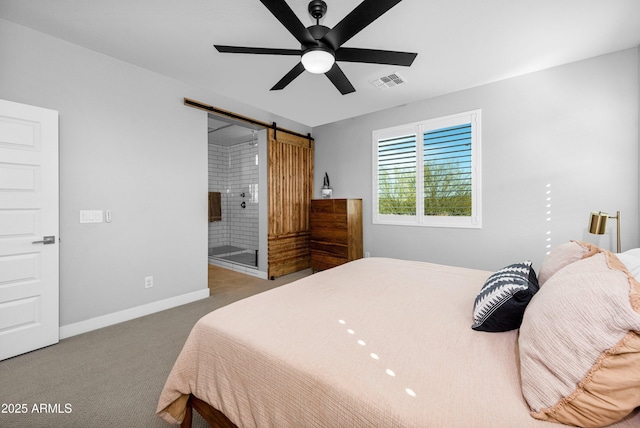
(91,216)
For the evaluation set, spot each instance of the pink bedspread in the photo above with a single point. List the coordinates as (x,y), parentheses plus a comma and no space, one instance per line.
(373,343)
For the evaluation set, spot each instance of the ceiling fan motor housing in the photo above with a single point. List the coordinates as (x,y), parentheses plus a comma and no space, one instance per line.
(317,32)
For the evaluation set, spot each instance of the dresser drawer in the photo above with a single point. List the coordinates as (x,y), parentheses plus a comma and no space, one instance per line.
(336,235)
(329,219)
(329,206)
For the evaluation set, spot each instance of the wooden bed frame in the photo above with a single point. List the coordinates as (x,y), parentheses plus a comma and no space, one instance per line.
(214,417)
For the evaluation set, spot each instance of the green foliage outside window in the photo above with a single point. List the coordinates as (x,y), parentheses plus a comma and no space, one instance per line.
(397,192)
(447,191)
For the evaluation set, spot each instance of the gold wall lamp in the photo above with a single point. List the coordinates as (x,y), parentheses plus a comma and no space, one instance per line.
(598,223)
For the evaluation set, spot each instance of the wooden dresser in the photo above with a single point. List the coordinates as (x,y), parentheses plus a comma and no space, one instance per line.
(336,232)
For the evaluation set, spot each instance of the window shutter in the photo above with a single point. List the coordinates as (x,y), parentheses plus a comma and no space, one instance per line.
(429,173)
(447,163)
(397,175)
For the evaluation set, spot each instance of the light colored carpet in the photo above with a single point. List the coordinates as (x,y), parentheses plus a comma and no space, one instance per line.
(110,377)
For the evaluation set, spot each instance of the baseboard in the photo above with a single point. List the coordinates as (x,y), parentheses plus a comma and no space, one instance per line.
(131,313)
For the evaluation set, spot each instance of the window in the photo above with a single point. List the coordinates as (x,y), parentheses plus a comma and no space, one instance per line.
(439,160)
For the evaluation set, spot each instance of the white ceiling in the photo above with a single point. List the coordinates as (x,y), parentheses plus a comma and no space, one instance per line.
(460,44)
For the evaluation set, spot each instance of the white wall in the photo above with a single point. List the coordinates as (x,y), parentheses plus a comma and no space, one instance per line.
(128,144)
(574,127)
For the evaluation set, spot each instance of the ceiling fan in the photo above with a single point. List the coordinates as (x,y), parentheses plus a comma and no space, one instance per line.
(322,46)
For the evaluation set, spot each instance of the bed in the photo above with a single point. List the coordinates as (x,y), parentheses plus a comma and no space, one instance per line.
(376,342)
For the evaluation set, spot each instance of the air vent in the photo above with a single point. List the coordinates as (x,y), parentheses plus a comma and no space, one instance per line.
(389,81)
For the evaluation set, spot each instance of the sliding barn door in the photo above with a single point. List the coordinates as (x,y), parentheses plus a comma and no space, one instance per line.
(290,178)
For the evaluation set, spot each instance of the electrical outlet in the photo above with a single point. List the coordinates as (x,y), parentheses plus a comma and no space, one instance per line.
(367,254)
(148,281)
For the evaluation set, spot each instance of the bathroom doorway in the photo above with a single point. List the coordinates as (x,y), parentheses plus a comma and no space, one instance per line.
(234,194)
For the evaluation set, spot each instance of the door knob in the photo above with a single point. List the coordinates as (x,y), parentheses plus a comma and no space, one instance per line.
(46,240)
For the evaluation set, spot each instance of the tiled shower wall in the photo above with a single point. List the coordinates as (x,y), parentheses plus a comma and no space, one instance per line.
(218,170)
(233,171)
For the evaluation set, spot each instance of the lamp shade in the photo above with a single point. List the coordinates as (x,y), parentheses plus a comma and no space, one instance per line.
(598,222)
(317,61)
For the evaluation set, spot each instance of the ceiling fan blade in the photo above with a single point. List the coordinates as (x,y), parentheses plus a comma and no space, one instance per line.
(364,14)
(339,80)
(375,56)
(259,51)
(281,10)
(288,78)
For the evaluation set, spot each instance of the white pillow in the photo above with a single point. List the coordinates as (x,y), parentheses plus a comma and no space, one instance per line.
(631,262)
(633,252)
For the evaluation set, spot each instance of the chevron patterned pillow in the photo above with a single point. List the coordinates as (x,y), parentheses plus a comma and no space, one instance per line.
(503,298)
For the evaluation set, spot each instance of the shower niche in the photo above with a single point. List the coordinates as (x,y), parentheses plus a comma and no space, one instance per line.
(234,189)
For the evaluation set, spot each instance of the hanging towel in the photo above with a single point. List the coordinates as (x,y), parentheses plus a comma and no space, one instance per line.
(215,207)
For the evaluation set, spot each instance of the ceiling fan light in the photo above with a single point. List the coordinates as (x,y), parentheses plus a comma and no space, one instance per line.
(318,61)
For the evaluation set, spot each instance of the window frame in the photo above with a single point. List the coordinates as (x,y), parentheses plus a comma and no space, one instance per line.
(474,221)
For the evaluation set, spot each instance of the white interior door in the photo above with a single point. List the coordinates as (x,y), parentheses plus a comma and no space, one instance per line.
(29,267)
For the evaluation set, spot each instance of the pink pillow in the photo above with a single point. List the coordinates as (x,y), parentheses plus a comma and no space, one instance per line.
(564,255)
(579,344)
